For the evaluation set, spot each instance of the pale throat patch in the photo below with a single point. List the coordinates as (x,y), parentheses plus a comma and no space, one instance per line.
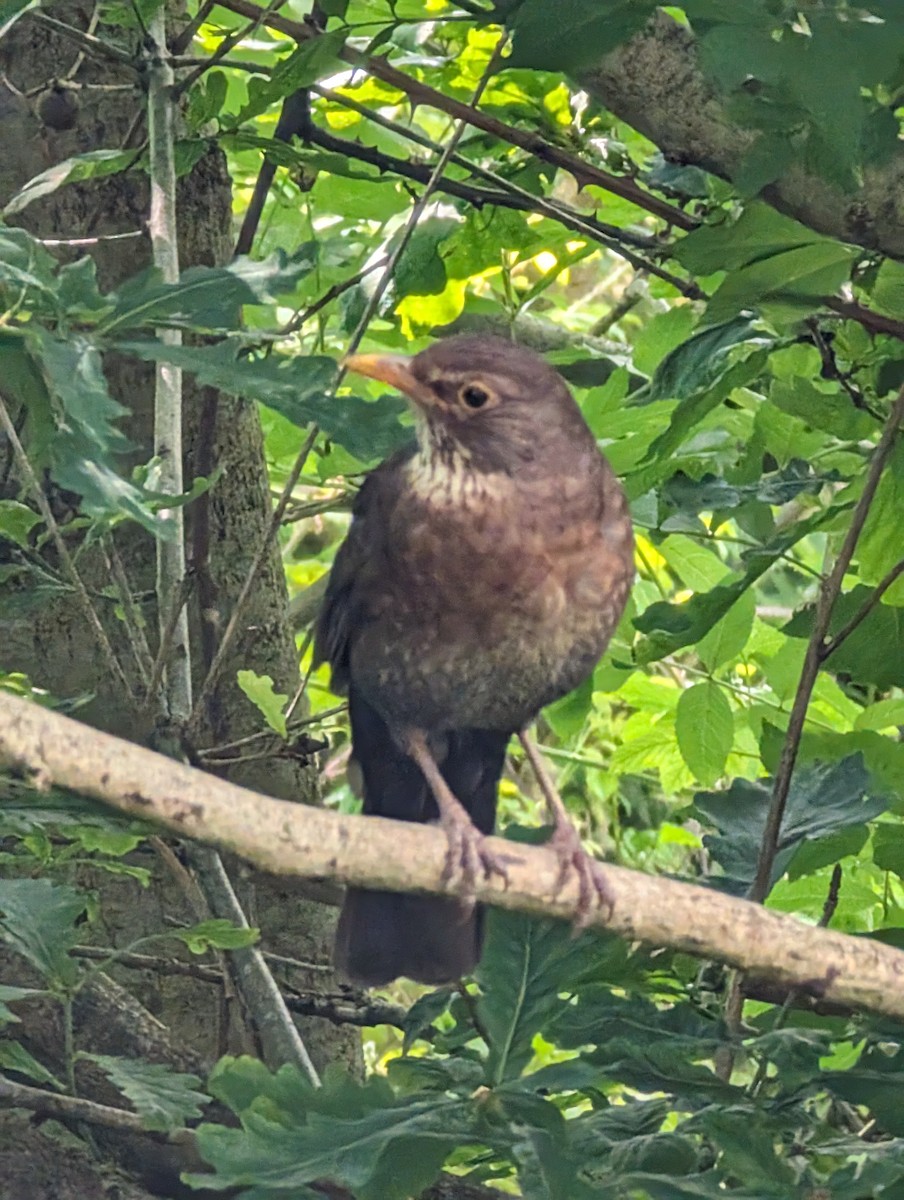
(441,474)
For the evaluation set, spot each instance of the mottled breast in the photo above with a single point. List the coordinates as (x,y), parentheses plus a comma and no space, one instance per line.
(501,596)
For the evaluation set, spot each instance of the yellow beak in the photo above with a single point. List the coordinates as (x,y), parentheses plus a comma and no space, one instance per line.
(394,369)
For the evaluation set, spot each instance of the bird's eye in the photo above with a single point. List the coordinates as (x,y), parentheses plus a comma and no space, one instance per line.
(474,396)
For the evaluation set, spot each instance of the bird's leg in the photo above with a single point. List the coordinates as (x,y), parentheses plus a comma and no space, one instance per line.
(468,852)
(594,887)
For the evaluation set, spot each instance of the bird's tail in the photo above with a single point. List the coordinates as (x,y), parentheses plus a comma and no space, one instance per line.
(433,939)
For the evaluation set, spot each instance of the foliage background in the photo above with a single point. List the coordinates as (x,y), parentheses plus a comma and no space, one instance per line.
(735,340)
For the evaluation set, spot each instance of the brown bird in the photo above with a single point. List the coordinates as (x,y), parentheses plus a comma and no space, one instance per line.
(484,572)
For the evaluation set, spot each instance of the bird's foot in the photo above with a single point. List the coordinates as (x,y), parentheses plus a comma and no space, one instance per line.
(594,889)
(469,858)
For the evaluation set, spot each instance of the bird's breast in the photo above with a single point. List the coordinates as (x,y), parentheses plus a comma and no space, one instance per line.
(499,596)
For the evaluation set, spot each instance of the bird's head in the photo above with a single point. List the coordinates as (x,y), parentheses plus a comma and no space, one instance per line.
(499,405)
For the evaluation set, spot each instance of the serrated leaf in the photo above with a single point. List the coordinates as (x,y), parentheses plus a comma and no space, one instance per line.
(729,635)
(14,1057)
(218,934)
(37,919)
(874,652)
(525,964)
(360,1137)
(704,726)
(800,276)
(261,692)
(309,62)
(164,1099)
(8,995)
(823,800)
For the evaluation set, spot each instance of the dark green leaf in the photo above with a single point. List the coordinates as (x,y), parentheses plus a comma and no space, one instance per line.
(206,298)
(38,921)
(217,933)
(297,387)
(874,651)
(823,800)
(583,31)
(525,965)
(93,164)
(163,1098)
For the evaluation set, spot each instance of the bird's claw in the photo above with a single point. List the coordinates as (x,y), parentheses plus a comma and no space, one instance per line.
(594,889)
(469,858)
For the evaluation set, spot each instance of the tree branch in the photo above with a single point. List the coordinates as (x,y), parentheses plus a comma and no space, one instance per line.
(420,93)
(654,82)
(293,839)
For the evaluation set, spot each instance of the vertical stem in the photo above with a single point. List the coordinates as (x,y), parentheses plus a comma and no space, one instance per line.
(168,391)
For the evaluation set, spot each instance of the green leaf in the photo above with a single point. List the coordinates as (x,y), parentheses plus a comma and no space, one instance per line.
(824,799)
(670,627)
(876,552)
(567,716)
(583,31)
(759,233)
(37,920)
(888,848)
(164,1099)
(874,651)
(17,521)
(260,691)
(526,963)
(14,1057)
(9,994)
(217,934)
(305,65)
(729,635)
(704,725)
(887,293)
(797,277)
(206,298)
(359,1137)
(93,164)
(298,387)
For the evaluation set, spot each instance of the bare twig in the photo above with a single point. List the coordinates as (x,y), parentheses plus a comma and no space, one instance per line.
(69,1108)
(96,47)
(816,653)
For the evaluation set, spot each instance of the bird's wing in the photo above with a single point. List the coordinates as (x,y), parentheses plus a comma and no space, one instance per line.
(360,558)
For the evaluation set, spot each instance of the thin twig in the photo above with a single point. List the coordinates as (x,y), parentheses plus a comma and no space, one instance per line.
(815,655)
(588,226)
(166,636)
(225,46)
(62,549)
(331,294)
(92,45)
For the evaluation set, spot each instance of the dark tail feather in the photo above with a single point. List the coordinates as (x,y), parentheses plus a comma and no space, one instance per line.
(382,935)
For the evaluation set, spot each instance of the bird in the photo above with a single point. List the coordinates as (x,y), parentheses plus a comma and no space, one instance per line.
(484,571)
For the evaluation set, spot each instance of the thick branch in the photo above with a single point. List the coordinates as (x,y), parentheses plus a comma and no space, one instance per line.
(371,851)
(655,84)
